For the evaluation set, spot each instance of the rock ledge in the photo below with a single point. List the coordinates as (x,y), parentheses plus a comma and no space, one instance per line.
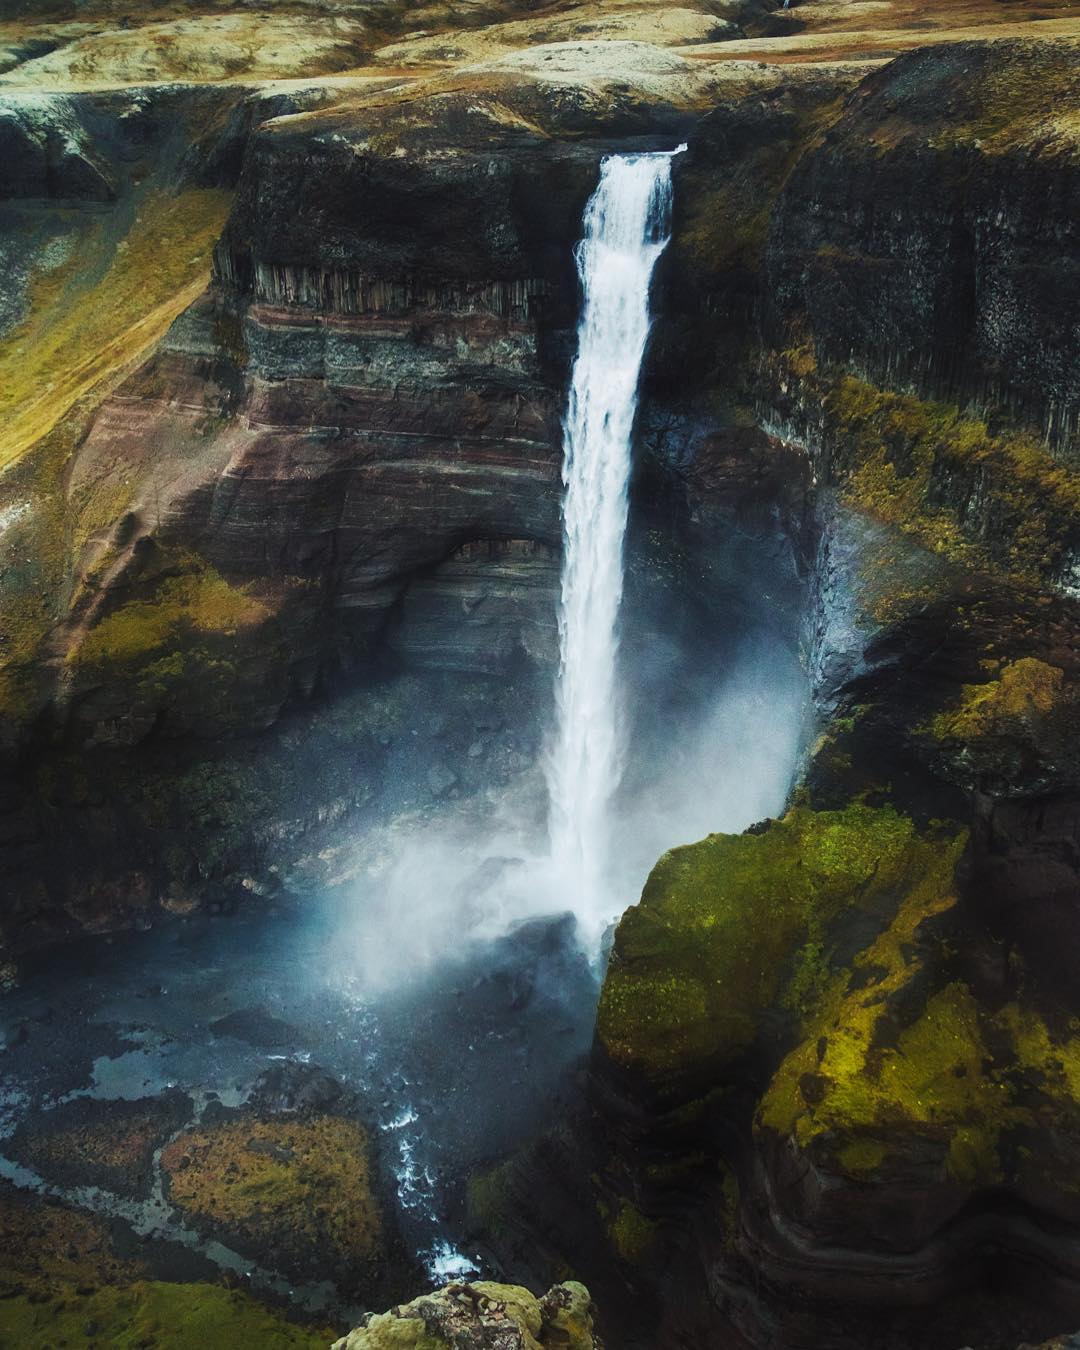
(482,1316)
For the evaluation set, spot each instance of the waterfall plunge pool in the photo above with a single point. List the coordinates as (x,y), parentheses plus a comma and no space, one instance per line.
(444,995)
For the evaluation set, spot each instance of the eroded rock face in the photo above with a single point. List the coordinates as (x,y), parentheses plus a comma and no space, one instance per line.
(354,410)
(931,237)
(357,426)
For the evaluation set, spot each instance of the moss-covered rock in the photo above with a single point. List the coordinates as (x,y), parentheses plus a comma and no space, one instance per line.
(905,1083)
(91,1142)
(975,497)
(47,1249)
(195,598)
(1016,733)
(301,1189)
(728,926)
(471,1316)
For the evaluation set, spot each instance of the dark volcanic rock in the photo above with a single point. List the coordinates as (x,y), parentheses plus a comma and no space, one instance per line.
(257,1027)
(300,1088)
(932,236)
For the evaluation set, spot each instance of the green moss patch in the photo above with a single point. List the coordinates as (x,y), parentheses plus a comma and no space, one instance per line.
(62,1283)
(151,1315)
(954,1074)
(725,926)
(1026,691)
(305,1186)
(103,309)
(912,464)
(632,1234)
(199,600)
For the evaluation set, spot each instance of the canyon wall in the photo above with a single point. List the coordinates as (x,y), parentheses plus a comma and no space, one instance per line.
(338,468)
(834,1087)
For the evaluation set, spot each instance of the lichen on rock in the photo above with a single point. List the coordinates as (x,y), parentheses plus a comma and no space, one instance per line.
(473,1316)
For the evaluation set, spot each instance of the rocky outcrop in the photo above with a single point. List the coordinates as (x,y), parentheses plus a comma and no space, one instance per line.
(468,1316)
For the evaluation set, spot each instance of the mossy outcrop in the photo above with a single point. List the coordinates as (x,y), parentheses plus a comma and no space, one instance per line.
(974,498)
(94,1143)
(295,1187)
(464,1316)
(737,923)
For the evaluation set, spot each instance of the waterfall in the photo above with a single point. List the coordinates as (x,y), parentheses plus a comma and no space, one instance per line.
(626,228)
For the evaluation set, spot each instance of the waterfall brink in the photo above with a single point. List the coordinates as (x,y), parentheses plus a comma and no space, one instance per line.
(626,228)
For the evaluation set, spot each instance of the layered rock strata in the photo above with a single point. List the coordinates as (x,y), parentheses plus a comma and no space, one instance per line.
(340,463)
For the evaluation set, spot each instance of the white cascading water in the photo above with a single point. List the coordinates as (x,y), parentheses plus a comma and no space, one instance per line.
(626,228)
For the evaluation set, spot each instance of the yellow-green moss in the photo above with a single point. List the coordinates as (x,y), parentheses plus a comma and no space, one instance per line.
(839,1038)
(30,594)
(809,979)
(569,1323)
(490,1198)
(632,1233)
(934,1079)
(165,1316)
(60,1276)
(104,308)
(258,1180)
(957,1074)
(507,1311)
(97,506)
(720,922)
(1018,103)
(46,1248)
(1025,689)
(1056,1061)
(198,600)
(862,1155)
(891,447)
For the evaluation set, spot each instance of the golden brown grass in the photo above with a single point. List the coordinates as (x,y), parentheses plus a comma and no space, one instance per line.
(102,310)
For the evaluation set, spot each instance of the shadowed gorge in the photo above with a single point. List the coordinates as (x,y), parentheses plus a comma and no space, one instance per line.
(539,649)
